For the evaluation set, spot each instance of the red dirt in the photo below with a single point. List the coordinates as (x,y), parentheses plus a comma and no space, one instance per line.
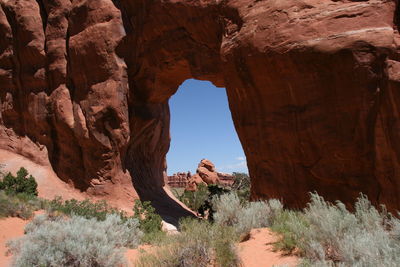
(10,228)
(132,255)
(258,250)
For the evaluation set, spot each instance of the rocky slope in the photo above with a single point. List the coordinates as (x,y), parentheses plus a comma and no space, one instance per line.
(312,86)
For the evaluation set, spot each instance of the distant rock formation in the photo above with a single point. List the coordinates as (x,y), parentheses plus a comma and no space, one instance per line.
(179,179)
(205,174)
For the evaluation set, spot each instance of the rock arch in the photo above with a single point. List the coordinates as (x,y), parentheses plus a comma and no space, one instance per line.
(312,88)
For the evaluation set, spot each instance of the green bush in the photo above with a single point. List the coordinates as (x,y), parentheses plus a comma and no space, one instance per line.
(87,209)
(149,222)
(19,184)
(199,244)
(330,235)
(76,241)
(20,205)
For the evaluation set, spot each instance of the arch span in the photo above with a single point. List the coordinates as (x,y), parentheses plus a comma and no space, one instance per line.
(312,87)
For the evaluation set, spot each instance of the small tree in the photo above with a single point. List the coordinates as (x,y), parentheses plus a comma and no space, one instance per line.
(19,184)
(242,185)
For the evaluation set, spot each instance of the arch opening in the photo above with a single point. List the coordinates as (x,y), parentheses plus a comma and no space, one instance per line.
(202,127)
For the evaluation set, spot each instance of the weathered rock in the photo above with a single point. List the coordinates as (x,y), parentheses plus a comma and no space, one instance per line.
(225,179)
(206,170)
(194,182)
(313,88)
(179,179)
(205,174)
(205,163)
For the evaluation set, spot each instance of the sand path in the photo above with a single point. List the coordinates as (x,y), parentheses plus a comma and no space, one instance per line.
(258,251)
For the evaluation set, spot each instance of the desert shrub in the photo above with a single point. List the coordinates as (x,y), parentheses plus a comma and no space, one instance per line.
(230,211)
(20,205)
(330,235)
(195,199)
(87,209)
(199,244)
(19,184)
(149,222)
(289,225)
(241,184)
(75,241)
(200,201)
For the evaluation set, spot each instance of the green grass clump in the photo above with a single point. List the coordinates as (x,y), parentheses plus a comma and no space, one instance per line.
(199,244)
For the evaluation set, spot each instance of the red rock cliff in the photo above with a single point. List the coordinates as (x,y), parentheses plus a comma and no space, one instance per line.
(313,88)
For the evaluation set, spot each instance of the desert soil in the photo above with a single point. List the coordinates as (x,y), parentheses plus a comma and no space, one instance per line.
(10,228)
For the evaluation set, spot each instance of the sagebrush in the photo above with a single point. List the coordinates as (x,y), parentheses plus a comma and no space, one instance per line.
(330,235)
(230,211)
(75,241)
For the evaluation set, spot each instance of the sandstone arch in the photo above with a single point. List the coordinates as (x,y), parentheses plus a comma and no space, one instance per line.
(312,86)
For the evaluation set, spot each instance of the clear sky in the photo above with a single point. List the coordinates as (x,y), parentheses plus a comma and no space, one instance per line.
(202,127)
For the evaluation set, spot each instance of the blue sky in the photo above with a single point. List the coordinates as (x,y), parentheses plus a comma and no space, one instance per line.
(202,127)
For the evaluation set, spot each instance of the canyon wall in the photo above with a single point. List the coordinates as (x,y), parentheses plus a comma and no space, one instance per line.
(312,85)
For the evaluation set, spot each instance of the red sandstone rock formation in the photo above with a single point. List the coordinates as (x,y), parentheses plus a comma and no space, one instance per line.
(179,179)
(225,179)
(206,171)
(205,174)
(313,88)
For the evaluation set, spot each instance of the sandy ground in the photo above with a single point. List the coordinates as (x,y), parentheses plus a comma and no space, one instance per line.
(10,228)
(258,251)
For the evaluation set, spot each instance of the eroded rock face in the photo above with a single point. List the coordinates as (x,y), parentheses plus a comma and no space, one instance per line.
(312,86)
